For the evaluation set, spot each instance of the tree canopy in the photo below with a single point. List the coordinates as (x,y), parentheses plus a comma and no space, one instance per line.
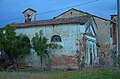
(13,45)
(40,44)
(22,46)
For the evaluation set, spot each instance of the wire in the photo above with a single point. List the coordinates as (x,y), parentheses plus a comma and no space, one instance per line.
(115,9)
(67,7)
(54,10)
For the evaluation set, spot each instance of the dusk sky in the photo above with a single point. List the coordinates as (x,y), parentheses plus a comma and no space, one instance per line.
(11,10)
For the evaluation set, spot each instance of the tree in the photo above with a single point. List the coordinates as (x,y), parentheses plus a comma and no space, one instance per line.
(22,46)
(40,44)
(13,45)
(8,40)
(78,58)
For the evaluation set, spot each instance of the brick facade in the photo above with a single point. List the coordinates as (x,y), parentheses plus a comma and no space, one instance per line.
(63,61)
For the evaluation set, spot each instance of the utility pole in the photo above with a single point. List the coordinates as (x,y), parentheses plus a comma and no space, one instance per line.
(118,25)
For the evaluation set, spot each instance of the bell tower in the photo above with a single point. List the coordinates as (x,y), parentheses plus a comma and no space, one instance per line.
(29,15)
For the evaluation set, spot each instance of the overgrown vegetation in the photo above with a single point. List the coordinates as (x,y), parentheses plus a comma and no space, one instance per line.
(117,60)
(17,46)
(14,46)
(78,58)
(41,45)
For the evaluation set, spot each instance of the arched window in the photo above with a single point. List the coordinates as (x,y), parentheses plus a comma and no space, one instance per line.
(26,39)
(56,38)
(29,18)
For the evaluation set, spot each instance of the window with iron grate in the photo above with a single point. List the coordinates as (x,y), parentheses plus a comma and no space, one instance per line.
(56,38)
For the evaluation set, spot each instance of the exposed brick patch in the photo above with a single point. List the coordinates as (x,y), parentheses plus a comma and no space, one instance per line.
(104,53)
(64,61)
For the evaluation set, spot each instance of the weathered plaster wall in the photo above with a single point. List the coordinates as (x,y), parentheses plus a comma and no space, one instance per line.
(103,31)
(104,40)
(71,13)
(69,34)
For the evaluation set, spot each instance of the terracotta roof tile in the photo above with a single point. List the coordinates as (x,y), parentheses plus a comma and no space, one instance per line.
(81,12)
(75,20)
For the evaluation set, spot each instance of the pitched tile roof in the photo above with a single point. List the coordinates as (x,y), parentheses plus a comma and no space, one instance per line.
(29,9)
(75,20)
(81,12)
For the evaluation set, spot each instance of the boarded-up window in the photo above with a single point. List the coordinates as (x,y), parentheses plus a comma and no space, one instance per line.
(110,32)
(114,34)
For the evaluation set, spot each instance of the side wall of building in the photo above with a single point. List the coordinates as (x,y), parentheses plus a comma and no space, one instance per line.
(104,41)
(70,14)
(60,58)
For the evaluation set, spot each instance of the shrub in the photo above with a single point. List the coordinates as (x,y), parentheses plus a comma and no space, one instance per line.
(117,60)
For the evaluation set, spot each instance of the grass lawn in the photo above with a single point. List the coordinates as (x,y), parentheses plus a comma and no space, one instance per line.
(104,74)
